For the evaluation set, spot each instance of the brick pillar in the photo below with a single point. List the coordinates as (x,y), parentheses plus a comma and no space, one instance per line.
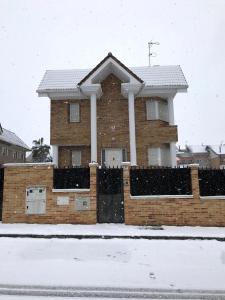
(126,187)
(194,181)
(93,183)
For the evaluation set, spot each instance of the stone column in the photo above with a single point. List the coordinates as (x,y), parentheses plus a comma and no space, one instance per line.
(173,160)
(93,191)
(171,110)
(195,181)
(126,188)
(133,157)
(55,154)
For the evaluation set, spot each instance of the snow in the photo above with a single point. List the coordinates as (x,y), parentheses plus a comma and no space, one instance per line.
(111,229)
(113,263)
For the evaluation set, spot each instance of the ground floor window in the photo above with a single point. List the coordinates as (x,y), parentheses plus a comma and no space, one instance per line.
(76,158)
(113,157)
(159,155)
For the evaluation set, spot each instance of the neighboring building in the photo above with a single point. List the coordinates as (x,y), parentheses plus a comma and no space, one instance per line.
(12,148)
(204,155)
(113,113)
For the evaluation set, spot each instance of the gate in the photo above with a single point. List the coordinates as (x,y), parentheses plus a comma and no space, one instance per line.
(1,190)
(110,202)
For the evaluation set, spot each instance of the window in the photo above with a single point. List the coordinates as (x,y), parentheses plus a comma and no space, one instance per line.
(5,151)
(74,112)
(76,158)
(159,156)
(157,110)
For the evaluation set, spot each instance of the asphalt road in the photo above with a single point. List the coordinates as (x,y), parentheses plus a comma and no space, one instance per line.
(107,293)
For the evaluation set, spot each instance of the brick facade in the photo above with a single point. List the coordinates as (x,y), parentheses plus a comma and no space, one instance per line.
(112,126)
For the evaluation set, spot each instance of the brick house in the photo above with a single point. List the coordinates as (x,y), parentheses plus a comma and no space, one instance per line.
(113,113)
(12,148)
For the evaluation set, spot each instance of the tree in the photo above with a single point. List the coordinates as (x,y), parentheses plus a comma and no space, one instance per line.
(40,151)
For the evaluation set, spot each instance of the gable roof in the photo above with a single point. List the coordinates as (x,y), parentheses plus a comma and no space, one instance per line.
(102,62)
(151,76)
(10,137)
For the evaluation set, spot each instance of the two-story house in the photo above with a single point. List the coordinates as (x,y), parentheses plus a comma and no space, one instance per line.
(113,113)
(12,148)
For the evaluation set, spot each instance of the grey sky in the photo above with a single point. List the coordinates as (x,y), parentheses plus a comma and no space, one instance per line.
(39,35)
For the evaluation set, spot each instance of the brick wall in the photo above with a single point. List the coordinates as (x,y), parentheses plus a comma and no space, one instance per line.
(17,179)
(189,211)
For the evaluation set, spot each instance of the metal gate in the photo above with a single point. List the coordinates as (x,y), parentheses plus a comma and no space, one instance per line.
(1,190)
(110,202)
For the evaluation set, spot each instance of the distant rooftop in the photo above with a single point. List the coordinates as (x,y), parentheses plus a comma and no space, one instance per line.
(11,138)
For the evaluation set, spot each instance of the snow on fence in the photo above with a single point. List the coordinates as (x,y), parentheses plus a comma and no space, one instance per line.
(160,181)
(212,182)
(71,178)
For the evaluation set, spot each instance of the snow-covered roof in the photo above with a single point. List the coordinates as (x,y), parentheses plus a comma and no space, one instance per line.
(218,149)
(155,76)
(11,138)
(197,148)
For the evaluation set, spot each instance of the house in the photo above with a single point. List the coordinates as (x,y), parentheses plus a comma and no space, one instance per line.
(113,113)
(12,148)
(210,156)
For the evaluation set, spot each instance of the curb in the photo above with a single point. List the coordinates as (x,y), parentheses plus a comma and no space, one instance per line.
(108,237)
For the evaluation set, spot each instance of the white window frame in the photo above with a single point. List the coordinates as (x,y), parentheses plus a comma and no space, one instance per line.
(163,154)
(79,158)
(74,116)
(5,151)
(157,114)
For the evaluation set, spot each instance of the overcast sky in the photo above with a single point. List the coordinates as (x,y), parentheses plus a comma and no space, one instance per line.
(36,35)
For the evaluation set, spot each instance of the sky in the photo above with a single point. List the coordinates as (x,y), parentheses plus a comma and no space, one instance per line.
(36,35)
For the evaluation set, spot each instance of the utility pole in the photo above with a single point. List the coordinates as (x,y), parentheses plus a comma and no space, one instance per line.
(153,54)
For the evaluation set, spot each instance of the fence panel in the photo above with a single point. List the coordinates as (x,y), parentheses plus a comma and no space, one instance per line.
(72,178)
(211,182)
(160,181)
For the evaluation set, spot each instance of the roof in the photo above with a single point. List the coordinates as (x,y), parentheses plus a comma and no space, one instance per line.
(154,76)
(102,62)
(218,149)
(197,148)
(11,138)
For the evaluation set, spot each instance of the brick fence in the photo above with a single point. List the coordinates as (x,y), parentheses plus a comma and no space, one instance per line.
(190,210)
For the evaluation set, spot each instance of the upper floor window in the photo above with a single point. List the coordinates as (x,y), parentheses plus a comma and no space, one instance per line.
(74,112)
(5,151)
(157,110)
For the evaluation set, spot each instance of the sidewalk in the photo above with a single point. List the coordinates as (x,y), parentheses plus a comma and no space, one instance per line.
(109,231)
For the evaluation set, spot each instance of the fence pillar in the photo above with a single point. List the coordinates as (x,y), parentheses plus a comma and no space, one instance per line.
(126,186)
(93,183)
(195,181)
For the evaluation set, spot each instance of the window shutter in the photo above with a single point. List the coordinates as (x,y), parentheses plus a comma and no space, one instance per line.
(163,111)
(154,156)
(76,158)
(74,112)
(151,109)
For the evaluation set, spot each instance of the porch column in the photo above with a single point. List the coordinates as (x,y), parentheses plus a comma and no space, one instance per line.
(55,154)
(93,128)
(171,110)
(173,154)
(93,91)
(133,156)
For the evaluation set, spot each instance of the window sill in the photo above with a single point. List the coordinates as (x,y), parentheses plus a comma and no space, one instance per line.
(212,197)
(70,190)
(160,197)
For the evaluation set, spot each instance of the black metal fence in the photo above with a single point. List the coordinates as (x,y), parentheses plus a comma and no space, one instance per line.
(72,178)
(1,189)
(160,181)
(211,182)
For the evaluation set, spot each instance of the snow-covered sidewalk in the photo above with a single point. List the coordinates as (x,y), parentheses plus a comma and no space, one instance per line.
(112,230)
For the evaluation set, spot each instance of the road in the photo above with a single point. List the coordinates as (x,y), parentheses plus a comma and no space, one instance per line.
(12,292)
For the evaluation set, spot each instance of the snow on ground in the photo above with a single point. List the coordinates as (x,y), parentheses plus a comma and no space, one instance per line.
(113,263)
(111,229)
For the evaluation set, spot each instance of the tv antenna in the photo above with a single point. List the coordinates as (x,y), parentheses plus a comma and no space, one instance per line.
(150,53)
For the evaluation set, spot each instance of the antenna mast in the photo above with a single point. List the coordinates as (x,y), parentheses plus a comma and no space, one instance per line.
(153,54)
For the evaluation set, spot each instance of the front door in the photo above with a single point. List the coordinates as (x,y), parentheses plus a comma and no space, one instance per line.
(113,157)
